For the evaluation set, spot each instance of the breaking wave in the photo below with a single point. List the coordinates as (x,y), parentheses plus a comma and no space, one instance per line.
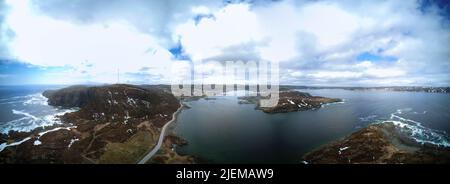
(33,112)
(417,131)
(332,103)
(36,99)
(368,118)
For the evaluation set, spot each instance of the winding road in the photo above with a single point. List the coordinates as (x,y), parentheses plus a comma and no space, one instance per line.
(161,137)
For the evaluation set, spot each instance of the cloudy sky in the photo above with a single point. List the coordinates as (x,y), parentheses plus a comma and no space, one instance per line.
(327,43)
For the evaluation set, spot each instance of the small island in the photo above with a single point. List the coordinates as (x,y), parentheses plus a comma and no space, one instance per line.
(290,101)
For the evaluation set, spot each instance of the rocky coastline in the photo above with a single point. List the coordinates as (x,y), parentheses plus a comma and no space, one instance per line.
(380,143)
(114,124)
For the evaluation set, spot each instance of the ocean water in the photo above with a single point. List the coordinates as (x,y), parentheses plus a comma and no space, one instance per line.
(23,108)
(223,131)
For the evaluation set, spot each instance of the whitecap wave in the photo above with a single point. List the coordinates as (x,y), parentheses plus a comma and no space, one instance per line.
(33,99)
(27,115)
(333,103)
(14,98)
(37,142)
(29,122)
(417,131)
(36,99)
(368,118)
(32,111)
(10,102)
(424,112)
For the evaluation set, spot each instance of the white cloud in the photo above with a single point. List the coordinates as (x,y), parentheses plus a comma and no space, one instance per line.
(317,42)
(330,24)
(230,26)
(43,41)
(385,72)
(201,10)
(336,75)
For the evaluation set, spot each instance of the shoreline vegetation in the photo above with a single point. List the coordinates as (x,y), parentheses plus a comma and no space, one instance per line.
(128,124)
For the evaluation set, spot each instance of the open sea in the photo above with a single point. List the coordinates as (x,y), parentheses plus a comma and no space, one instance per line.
(23,108)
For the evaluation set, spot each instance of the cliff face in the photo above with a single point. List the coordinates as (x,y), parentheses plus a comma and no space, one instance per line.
(74,96)
(114,102)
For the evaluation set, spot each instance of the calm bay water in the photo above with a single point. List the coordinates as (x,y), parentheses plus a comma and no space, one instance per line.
(223,131)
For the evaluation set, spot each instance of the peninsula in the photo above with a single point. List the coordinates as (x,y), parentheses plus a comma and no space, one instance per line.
(381,143)
(291,101)
(114,124)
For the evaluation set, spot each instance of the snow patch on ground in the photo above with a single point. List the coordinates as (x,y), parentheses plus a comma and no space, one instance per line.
(72,141)
(290,101)
(343,149)
(37,142)
(5,145)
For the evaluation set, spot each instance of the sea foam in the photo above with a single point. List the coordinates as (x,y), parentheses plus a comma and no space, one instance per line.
(417,131)
(30,119)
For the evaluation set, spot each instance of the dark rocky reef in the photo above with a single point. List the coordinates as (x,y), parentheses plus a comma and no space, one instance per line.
(378,144)
(290,101)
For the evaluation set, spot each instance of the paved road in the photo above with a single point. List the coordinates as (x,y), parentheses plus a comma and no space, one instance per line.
(161,138)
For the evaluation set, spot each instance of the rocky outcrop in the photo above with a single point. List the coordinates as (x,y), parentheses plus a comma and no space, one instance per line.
(291,101)
(376,144)
(168,155)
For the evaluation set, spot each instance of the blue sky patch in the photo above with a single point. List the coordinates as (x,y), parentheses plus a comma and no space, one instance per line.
(366,56)
(178,52)
(14,72)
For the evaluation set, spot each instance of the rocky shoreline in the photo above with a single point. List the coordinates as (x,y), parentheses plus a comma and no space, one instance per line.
(168,154)
(115,124)
(381,143)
